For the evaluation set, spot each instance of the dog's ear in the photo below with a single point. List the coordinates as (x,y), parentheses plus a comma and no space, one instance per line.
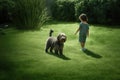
(60,36)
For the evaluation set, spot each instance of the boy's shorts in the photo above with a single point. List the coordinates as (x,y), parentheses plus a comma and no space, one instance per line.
(82,38)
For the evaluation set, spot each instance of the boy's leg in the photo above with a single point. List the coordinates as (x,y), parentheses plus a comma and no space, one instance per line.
(83,46)
(82,39)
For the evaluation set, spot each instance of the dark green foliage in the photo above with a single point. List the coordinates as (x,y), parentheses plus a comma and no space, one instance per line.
(113,11)
(63,10)
(5,10)
(29,14)
(98,11)
(25,14)
(94,10)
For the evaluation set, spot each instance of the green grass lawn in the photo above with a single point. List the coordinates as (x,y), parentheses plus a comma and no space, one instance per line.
(22,55)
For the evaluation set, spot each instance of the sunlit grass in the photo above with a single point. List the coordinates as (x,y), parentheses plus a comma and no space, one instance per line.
(22,55)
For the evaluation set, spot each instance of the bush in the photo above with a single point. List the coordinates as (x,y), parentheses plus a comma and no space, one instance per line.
(63,10)
(5,10)
(29,14)
(98,11)
(93,10)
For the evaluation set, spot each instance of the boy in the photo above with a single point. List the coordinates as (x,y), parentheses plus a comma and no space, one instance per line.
(83,30)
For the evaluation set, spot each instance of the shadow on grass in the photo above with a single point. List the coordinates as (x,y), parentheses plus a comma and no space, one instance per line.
(7,68)
(92,54)
(59,56)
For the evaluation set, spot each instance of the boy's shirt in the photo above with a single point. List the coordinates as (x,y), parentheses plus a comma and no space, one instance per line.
(83,28)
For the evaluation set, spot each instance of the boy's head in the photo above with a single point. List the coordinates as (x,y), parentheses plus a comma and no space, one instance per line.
(83,17)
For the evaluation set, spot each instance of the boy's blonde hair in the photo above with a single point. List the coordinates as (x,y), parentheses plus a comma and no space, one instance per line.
(83,17)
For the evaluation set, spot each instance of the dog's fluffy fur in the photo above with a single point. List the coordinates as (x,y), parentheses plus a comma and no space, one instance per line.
(56,43)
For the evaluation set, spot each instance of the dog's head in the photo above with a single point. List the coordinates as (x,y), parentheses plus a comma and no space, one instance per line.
(62,37)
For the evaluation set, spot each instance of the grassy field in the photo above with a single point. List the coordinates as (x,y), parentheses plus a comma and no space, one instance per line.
(22,55)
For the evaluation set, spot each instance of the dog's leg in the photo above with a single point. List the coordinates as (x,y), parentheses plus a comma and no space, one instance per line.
(51,48)
(56,51)
(61,51)
(46,50)
(47,47)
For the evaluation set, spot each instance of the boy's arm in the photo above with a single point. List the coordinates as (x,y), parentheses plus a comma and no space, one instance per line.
(88,33)
(77,31)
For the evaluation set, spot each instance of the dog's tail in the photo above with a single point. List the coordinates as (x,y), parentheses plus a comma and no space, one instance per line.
(50,34)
